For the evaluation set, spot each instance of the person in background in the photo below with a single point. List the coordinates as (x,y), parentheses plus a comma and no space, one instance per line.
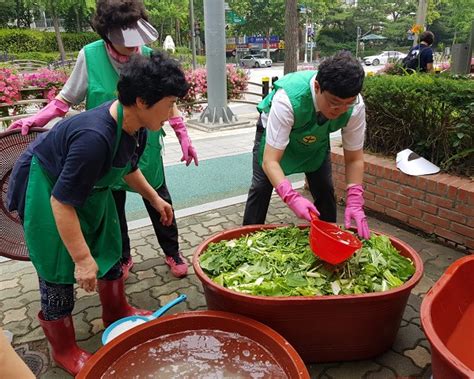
(124,29)
(292,136)
(61,189)
(420,57)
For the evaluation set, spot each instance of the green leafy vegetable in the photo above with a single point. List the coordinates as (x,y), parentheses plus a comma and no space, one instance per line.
(279,262)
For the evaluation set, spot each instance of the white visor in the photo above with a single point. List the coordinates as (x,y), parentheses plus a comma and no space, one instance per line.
(138,34)
(412,164)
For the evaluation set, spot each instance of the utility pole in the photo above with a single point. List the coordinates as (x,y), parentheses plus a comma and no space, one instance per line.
(421,16)
(306,38)
(217,113)
(357,41)
(193,32)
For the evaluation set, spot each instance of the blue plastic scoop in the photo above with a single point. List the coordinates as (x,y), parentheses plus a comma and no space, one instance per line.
(127,323)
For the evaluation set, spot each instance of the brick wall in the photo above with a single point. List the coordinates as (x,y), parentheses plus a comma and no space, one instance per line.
(441,204)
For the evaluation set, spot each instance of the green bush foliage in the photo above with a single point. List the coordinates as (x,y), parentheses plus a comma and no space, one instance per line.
(45,57)
(433,115)
(16,41)
(186,60)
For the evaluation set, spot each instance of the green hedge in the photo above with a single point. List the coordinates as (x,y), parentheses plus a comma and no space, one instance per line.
(45,57)
(14,41)
(433,115)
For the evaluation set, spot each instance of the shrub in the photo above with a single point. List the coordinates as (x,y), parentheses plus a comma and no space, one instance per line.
(10,85)
(431,114)
(183,50)
(16,41)
(51,80)
(186,60)
(197,79)
(45,57)
(236,82)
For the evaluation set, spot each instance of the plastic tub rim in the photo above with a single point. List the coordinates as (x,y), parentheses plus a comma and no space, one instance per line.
(427,321)
(410,283)
(243,320)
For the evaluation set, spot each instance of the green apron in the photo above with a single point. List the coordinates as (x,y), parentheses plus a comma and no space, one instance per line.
(98,219)
(309,142)
(102,87)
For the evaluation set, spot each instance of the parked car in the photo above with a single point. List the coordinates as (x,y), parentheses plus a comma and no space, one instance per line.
(255,61)
(384,57)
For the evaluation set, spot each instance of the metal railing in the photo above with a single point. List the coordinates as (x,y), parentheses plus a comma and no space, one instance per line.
(265,86)
(265,89)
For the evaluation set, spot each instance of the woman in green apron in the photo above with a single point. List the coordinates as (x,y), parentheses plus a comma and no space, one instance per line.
(292,136)
(124,31)
(62,189)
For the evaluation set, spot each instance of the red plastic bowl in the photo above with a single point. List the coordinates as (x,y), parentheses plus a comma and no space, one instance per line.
(447,317)
(330,243)
(282,352)
(320,328)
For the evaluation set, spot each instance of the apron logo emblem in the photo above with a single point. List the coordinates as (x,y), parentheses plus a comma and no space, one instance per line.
(309,139)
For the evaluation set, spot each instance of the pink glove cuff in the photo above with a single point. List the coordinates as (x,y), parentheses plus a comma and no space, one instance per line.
(177,122)
(56,108)
(179,127)
(355,210)
(355,195)
(284,189)
(61,106)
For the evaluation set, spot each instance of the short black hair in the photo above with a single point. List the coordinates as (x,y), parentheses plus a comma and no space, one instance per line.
(427,37)
(341,75)
(151,78)
(111,14)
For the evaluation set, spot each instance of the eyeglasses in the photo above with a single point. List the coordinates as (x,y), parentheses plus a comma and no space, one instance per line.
(347,105)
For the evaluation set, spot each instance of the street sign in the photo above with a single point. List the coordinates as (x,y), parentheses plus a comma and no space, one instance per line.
(233,18)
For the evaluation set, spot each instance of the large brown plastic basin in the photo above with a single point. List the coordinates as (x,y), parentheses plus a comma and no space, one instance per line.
(447,317)
(286,356)
(320,328)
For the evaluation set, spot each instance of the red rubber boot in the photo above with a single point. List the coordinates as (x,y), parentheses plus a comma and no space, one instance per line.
(114,303)
(62,339)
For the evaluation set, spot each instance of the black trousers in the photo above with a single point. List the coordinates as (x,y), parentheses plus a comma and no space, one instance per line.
(320,185)
(167,235)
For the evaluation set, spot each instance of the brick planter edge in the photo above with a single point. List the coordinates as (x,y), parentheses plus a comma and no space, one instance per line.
(441,204)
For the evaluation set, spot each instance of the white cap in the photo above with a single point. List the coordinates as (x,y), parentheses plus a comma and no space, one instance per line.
(139,34)
(412,164)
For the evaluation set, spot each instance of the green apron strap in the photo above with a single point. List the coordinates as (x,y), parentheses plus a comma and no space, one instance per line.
(119,126)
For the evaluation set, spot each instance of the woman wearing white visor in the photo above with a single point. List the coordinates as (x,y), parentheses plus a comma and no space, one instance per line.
(124,29)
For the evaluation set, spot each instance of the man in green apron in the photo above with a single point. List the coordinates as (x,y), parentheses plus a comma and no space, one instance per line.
(62,189)
(124,30)
(292,136)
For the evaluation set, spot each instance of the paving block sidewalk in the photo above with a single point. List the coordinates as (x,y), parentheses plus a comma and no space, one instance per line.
(150,285)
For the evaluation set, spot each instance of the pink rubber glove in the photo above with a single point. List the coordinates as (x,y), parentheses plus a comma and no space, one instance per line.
(189,153)
(56,108)
(297,203)
(355,210)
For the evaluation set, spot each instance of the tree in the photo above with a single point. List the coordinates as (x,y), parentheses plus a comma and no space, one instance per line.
(55,8)
(262,17)
(291,36)
(76,17)
(169,17)
(24,12)
(455,17)
(7,12)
